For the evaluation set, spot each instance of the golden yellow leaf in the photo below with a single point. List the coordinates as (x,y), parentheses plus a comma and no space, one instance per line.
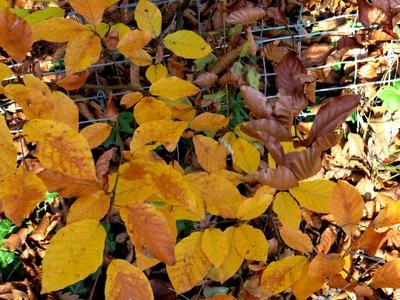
(314,195)
(130,99)
(282,274)
(20,194)
(108,3)
(91,10)
(346,206)
(245,156)
(214,246)
(57,30)
(296,239)
(254,207)
(65,110)
(125,281)
(91,206)
(144,262)
(156,72)
(251,243)
(8,152)
(4,3)
(164,131)
(231,176)
(232,262)
(151,109)
(287,209)
(140,58)
(173,88)
(148,17)
(388,216)
(133,41)
(191,264)
(210,154)
(209,121)
(388,275)
(74,253)
(121,28)
(220,196)
(307,283)
(149,231)
(36,83)
(15,35)
(187,44)
(60,148)
(82,51)
(5,72)
(96,133)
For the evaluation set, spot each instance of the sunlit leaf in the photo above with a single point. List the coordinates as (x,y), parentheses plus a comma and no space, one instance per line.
(8,152)
(57,30)
(74,81)
(133,41)
(91,10)
(246,15)
(148,17)
(253,207)
(91,206)
(156,72)
(388,275)
(388,216)
(287,209)
(5,72)
(251,243)
(245,155)
(214,246)
(187,44)
(130,99)
(296,239)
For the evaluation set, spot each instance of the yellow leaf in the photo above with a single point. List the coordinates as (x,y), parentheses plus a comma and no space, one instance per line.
(245,155)
(151,109)
(149,231)
(144,262)
(209,121)
(214,246)
(287,209)
(74,253)
(388,275)
(231,176)
(52,139)
(15,35)
(4,4)
(108,3)
(57,30)
(130,99)
(44,14)
(91,10)
(173,88)
(8,152)
(254,207)
(388,216)
(125,281)
(232,262)
(191,264)
(282,274)
(92,206)
(296,239)
(148,17)
(219,195)
(81,52)
(65,110)
(164,131)
(20,194)
(210,155)
(140,58)
(96,133)
(251,243)
(133,41)
(5,72)
(346,206)
(187,44)
(121,28)
(314,195)
(156,72)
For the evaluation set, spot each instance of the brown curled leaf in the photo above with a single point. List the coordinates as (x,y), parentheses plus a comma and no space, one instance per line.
(231,78)
(277,14)
(270,127)
(225,61)
(246,16)
(258,104)
(280,178)
(286,71)
(304,164)
(328,140)
(206,79)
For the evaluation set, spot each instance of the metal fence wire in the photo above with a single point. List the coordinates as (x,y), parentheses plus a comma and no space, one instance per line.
(301,31)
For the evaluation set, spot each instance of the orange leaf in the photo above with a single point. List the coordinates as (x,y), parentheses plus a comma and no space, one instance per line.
(149,231)
(125,281)
(130,99)
(74,81)
(15,35)
(251,243)
(388,216)
(150,109)
(93,206)
(209,121)
(388,275)
(96,133)
(57,30)
(214,246)
(370,241)
(296,239)
(327,239)
(8,152)
(280,178)
(91,10)
(133,41)
(20,194)
(346,206)
(210,154)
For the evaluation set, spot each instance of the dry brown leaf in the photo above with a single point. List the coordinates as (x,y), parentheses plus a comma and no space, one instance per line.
(328,237)
(225,61)
(388,275)
(280,178)
(206,79)
(370,241)
(246,16)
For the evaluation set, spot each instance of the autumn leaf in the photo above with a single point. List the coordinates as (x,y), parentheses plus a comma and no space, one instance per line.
(287,209)
(245,155)
(246,15)
(130,99)
(15,35)
(57,30)
(251,243)
(65,110)
(191,264)
(148,17)
(151,109)
(74,253)
(133,41)
(282,274)
(253,207)
(74,81)
(91,10)
(388,216)
(215,246)
(8,152)
(125,281)
(387,276)
(210,154)
(296,239)
(149,231)
(91,206)
(140,58)
(280,178)
(20,194)
(156,72)
(209,121)
(96,133)
(5,72)
(173,88)
(187,44)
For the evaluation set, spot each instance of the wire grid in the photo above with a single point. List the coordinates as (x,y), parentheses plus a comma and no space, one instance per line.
(299,27)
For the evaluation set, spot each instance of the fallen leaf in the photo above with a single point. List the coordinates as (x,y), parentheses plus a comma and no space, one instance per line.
(246,15)
(387,275)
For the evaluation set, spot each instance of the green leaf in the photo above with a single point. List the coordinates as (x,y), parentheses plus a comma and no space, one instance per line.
(50,197)
(253,77)
(6,258)
(44,14)
(390,97)
(202,63)
(6,227)
(125,120)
